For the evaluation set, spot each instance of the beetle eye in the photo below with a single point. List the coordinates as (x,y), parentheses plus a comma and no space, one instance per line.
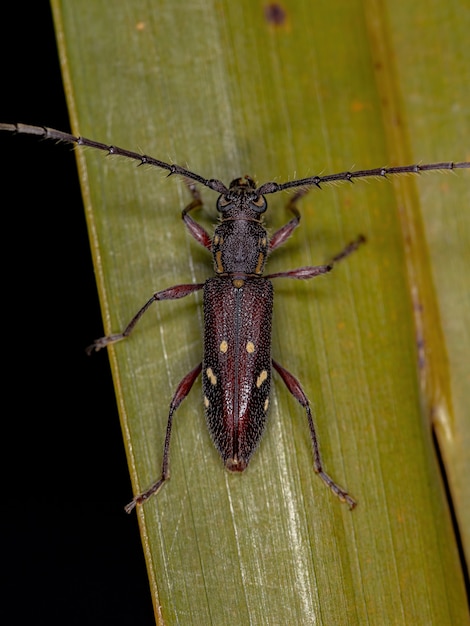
(259,204)
(222,203)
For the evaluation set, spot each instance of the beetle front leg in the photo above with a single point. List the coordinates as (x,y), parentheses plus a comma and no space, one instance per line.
(172,293)
(296,390)
(180,394)
(280,236)
(196,230)
(285,232)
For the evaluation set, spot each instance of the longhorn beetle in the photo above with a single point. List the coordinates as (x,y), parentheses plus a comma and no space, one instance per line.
(238,301)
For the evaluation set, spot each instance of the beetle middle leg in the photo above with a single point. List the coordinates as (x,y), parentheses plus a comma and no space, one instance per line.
(172,293)
(310,271)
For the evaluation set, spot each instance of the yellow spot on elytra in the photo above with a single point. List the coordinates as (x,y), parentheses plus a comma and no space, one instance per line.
(206,401)
(261,378)
(250,347)
(266,404)
(211,376)
(223,346)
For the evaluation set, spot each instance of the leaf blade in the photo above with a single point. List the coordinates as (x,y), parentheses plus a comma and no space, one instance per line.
(204,513)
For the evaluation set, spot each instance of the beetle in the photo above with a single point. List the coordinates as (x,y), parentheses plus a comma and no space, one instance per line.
(238,302)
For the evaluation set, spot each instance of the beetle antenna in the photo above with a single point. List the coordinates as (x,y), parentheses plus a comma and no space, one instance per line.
(379,172)
(57,135)
(217,185)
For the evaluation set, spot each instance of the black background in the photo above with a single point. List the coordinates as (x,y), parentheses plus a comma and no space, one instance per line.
(70,554)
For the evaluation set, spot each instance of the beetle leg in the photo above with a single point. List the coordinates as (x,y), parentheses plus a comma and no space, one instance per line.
(172,293)
(349,249)
(296,390)
(303,273)
(310,271)
(280,236)
(180,394)
(196,230)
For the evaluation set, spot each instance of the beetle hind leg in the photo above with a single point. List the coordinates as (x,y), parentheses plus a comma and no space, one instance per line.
(296,390)
(180,394)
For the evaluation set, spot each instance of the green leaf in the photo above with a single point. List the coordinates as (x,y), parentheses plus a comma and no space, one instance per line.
(230,88)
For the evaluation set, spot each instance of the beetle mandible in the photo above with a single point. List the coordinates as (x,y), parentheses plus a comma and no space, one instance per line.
(238,301)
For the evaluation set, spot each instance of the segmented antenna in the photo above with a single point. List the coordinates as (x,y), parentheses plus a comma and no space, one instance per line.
(217,185)
(383,172)
(57,135)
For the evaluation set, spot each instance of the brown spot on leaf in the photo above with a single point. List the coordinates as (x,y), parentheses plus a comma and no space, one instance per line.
(275,14)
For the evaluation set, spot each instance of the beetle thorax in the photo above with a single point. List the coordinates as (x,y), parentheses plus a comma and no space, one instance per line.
(240,247)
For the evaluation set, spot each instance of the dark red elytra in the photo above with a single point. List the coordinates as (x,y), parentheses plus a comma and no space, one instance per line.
(238,301)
